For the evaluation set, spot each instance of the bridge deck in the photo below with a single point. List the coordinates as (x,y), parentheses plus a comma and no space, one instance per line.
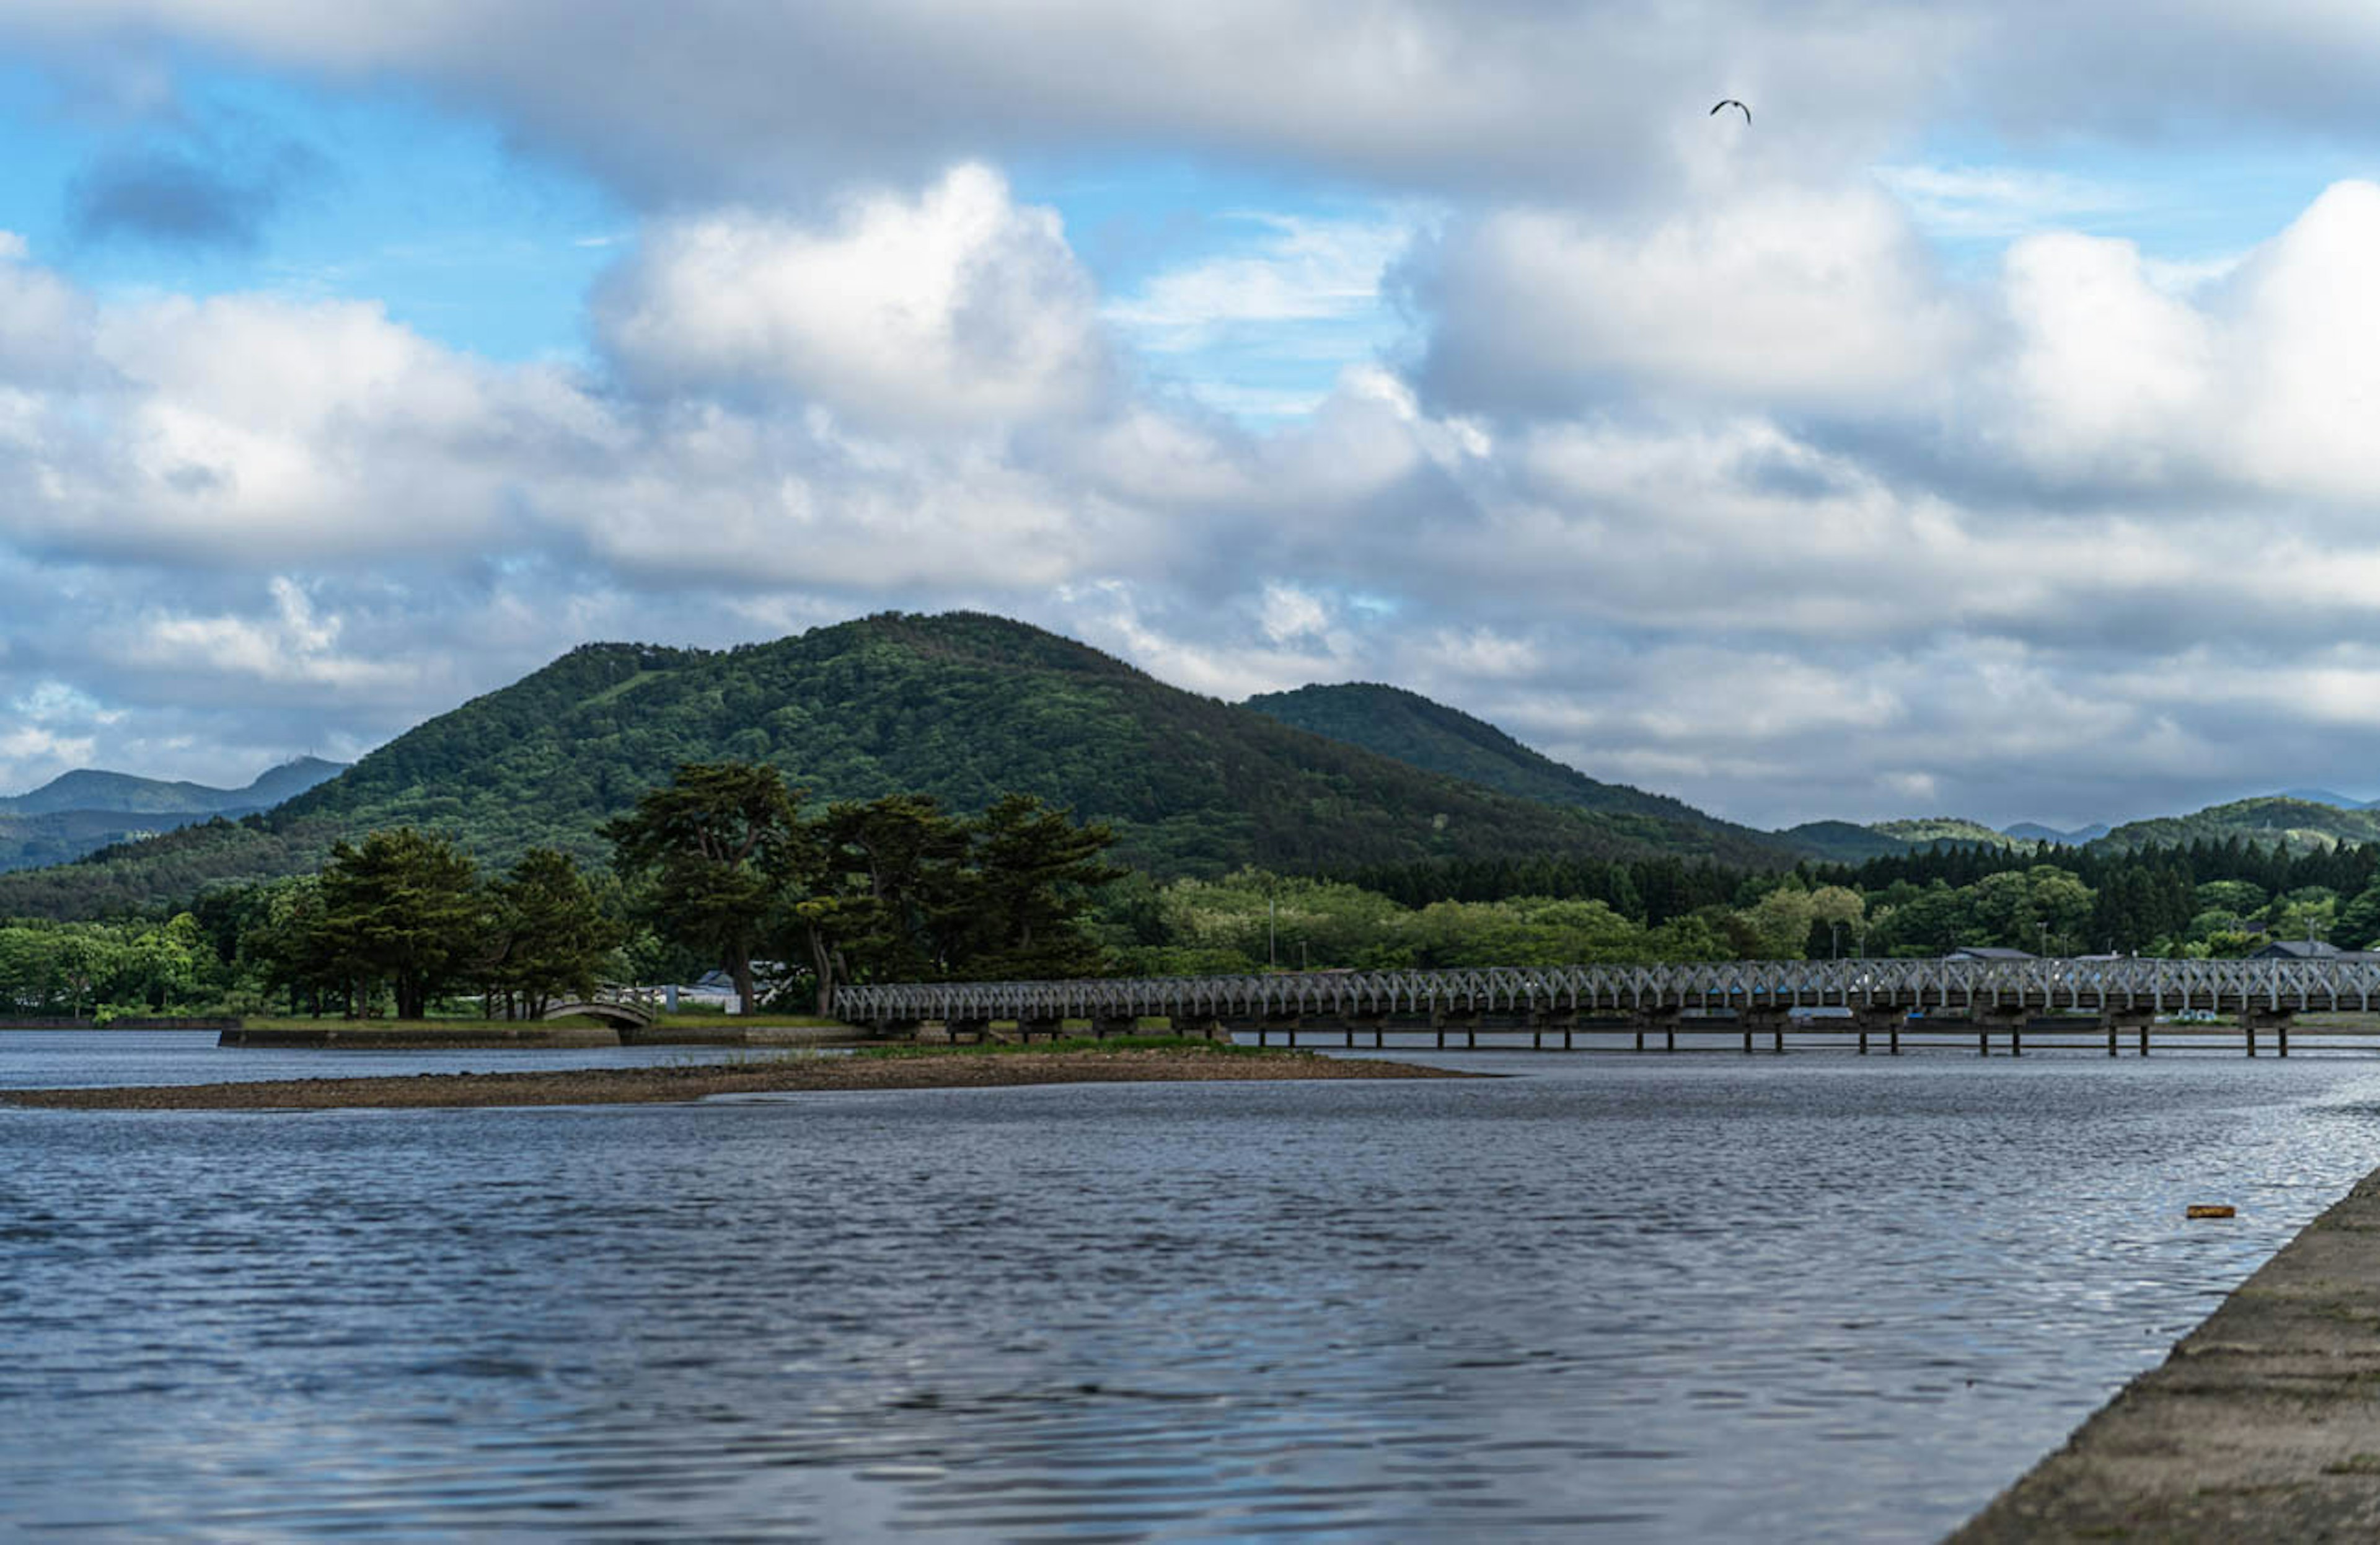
(1922,1001)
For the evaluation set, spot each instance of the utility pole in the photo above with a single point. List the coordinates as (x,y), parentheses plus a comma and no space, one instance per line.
(1272,958)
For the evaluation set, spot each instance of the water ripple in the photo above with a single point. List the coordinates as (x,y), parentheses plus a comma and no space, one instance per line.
(1626,1298)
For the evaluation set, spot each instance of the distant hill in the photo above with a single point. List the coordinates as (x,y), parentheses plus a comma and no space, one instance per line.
(88,789)
(1929,830)
(2033,831)
(82,811)
(962,706)
(1421,732)
(2324,796)
(1841,842)
(2301,824)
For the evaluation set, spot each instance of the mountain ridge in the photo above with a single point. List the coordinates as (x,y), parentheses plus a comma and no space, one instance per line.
(97,790)
(964,706)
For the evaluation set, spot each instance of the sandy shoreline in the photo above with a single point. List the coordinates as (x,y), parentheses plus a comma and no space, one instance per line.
(2263,1424)
(698,1081)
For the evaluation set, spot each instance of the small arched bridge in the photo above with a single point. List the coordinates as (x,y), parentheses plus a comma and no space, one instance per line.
(1895,999)
(622,1008)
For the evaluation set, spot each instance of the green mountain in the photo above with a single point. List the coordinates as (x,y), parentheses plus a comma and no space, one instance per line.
(1927,830)
(85,810)
(91,790)
(32,841)
(2034,832)
(1420,733)
(1840,841)
(962,706)
(2303,824)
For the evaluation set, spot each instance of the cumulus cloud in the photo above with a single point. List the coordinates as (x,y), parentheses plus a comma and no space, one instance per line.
(2267,384)
(958,304)
(1811,297)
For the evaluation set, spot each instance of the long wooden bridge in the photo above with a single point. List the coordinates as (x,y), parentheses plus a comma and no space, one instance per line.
(1762,1002)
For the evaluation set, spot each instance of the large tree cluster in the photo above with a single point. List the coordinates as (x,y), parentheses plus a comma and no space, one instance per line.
(892,889)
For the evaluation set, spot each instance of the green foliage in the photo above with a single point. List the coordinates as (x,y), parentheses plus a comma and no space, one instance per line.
(1840,841)
(2300,825)
(1436,738)
(403,910)
(550,935)
(1944,829)
(717,847)
(72,970)
(1035,872)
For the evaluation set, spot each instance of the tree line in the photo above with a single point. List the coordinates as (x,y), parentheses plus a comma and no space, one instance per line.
(725,867)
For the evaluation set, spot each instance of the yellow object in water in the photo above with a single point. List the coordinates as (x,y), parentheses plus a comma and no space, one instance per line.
(2212,1210)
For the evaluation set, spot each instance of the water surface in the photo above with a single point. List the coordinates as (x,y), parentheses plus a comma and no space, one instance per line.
(1614,1298)
(73,1059)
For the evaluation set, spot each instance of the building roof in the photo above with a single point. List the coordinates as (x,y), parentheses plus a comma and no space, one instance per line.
(2299,949)
(1987,952)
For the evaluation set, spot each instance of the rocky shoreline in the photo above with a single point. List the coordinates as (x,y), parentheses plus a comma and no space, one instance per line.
(699,1081)
(2263,1424)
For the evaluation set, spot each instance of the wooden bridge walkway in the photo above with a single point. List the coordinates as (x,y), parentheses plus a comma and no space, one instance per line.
(2122,1003)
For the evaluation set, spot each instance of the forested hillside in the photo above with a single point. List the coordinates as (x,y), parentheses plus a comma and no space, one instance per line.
(963,707)
(1840,841)
(2302,825)
(1436,738)
(1926,830)
(87,809)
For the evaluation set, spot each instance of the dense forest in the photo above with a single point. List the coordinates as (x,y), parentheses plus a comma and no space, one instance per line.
(1411,728)
(896,889)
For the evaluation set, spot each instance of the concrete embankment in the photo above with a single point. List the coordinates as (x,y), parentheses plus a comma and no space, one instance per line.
(2264,1424)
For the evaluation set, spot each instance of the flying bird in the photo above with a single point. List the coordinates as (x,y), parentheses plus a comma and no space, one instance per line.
(1731,102)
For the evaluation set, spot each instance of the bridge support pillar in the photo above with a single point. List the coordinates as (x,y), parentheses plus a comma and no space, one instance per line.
(1770,1022)
(2274,1020)
(960,1031)
(1106,1025)
(1879,1021)
(1048,1025)
(1461,1021)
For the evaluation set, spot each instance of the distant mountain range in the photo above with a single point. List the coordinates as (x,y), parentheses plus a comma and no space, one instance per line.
(965,707)
(2301,824)
(123,794)
(82,811)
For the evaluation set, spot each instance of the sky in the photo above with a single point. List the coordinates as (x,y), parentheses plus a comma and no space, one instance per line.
(1986,428)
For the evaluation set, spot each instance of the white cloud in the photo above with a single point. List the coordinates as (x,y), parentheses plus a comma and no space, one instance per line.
(959,305)
(2267,384)
(1819,298)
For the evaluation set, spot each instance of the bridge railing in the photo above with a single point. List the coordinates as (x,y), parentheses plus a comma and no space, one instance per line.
(2092,984)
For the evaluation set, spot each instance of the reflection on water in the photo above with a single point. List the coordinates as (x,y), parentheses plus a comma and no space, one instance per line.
(1637,1299)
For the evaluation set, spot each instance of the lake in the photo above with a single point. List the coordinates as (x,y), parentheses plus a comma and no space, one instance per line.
(1657,1298)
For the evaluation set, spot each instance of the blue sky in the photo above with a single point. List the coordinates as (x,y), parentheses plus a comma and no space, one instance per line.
(1980,431)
